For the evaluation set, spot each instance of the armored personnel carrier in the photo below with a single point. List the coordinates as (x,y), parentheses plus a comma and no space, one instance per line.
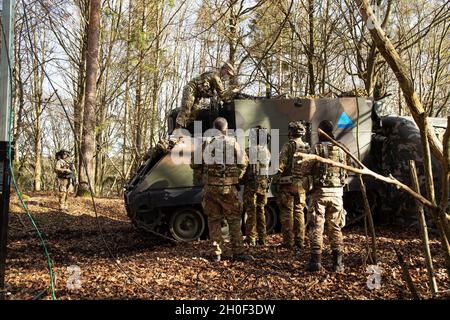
(163,197)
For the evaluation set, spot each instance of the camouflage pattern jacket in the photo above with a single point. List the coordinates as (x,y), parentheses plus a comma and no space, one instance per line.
(207,85)
(62,169)
(284,174)
(223,162)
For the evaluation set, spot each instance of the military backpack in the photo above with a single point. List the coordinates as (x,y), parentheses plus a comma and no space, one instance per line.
(221,167)
(325,175)
(299,177)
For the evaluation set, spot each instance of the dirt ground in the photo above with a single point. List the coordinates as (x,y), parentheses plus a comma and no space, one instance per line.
(147,267)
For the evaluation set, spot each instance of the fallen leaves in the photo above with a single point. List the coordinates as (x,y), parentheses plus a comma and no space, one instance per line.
(145,267)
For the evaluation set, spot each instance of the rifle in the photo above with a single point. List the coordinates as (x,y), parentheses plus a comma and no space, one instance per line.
(72,176)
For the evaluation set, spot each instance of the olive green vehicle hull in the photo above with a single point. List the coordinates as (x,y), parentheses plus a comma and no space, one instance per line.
(162,197)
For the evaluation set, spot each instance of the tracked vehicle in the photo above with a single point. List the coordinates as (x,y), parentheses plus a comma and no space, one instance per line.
(163,197)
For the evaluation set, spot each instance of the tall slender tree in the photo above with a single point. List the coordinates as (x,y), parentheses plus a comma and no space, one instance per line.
(87,148)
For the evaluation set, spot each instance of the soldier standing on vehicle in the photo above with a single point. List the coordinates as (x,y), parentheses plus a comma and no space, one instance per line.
(205,85)
(326,201)
(256,181)
(64,175)
(290,191)
(223,165)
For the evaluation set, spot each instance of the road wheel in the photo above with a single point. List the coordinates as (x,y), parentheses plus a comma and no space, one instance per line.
(187,224)
(271,219)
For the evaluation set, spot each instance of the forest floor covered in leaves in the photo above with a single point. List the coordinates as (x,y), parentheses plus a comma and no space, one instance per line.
(147,267)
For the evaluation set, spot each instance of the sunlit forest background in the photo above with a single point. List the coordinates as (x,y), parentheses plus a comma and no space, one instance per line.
(149,49)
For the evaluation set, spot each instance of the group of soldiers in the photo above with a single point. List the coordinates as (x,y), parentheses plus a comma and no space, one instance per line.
(297,175)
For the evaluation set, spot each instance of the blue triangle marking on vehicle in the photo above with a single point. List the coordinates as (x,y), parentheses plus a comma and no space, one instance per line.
(344,121)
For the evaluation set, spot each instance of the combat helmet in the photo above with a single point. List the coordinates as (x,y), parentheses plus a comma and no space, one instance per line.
(296,128)
(327,127)
(61,153)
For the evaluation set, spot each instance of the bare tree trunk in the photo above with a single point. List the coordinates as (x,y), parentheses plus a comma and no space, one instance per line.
(423,230)
(19,94)
(139,116)
(127,96)
(233,40)
(38,89)
(156,77)
(88,137)
(37,155)
(311,49)
(396,63)
(78,105)
(446,170)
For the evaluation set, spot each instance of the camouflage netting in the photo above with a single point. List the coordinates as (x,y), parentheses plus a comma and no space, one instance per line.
(357,92)
(315,96)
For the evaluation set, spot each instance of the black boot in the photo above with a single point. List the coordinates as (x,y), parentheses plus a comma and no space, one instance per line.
(299,244)
(314,263)
(261,241)
(250,242)
(215,258)
(243,257)
(338,265)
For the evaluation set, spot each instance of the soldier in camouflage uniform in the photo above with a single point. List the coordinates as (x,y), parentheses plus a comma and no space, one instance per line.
(63,172)
(205,85)
(162,147)
(291,195)
(256,182)
(221,197)
(326,201)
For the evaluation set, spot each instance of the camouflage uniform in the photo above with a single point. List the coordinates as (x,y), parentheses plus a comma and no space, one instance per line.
(357,92)
(291,197)
(221,197)
(326,199)
(400,143)
(205,85)
(162,147)
(62,170)
(255,194)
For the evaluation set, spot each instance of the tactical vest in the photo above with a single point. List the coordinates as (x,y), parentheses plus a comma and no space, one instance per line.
(292,174)
(220,172)
(325,175)
(61,164)
(300,147)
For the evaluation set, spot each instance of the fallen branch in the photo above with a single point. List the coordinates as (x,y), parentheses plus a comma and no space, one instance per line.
(368,216)
(368,172)
(438,215)
(401,72)
(406,274)
(423,231)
